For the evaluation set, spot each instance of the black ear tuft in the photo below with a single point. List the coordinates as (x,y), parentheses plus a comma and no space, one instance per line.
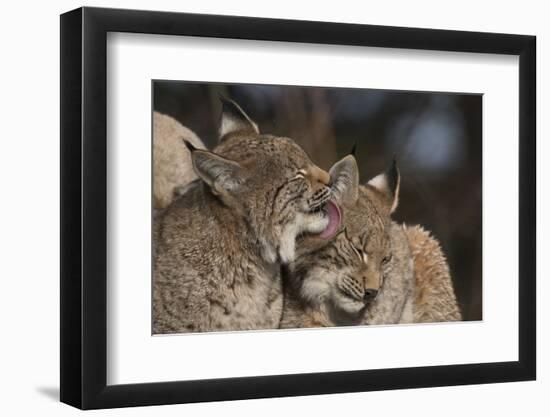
(234,119)
(387,184)
(392,175)
(229,107)
(353,149)
(189,145)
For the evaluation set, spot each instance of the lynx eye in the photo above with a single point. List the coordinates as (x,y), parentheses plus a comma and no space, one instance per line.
(301,174)
(360,253)
(387,259)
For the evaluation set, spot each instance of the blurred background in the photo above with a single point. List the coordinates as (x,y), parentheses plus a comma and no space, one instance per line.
(436,138)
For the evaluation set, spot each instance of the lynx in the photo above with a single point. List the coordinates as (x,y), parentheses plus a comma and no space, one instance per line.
(366,274)
(362,276)
(220,246)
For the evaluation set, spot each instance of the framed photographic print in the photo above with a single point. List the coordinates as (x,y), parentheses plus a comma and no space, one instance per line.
(257,208)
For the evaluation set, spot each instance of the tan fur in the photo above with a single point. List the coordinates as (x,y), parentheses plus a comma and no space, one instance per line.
(172,166)
(434,297)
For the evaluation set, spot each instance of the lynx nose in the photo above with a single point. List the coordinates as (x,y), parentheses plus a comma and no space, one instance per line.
(370,294)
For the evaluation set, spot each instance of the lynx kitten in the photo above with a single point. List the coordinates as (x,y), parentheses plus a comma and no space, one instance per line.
(219,248)
(368,273)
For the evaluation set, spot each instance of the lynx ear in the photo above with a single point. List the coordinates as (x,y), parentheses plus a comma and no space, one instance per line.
(234,119)
(344,177)
(222,175)
(387,184)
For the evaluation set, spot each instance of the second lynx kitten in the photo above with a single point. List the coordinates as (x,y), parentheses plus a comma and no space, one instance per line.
(368,273)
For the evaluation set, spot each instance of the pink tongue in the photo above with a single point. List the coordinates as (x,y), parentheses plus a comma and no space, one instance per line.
(334,220)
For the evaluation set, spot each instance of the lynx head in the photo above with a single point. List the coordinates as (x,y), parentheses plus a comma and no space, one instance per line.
(348,272)
(270,182)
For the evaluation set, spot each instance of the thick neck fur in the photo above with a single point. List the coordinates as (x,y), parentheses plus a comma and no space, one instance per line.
(240,232)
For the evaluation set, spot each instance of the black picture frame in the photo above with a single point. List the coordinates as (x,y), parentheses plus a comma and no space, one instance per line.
(84,207)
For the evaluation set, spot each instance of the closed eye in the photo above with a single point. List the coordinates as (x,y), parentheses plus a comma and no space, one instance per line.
(387,259)
(301,174)
(360,253)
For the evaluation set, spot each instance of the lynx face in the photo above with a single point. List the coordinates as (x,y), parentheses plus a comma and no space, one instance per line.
(270,182)
(362,277)
(348,272)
